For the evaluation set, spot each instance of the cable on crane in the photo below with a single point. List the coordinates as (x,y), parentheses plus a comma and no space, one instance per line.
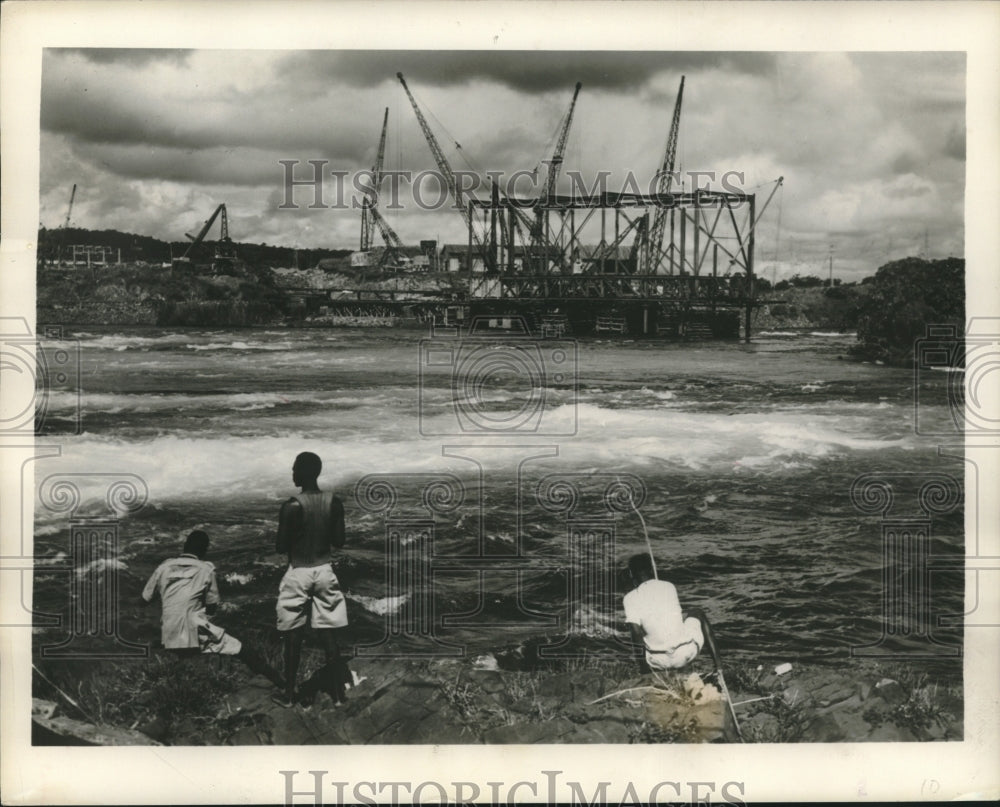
(458,146)
(777,236)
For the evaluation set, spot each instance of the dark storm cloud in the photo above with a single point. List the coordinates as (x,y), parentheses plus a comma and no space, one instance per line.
(111,107)
(70,111)
(130,56)
(123,125)
(906,164)
(123,119)
(201,167)
(954,146)
(525,71)
(855,232)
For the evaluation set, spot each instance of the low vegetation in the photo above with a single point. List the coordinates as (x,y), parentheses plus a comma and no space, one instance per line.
(905,298)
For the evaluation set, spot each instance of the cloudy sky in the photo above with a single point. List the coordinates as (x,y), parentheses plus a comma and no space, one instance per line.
(872,146)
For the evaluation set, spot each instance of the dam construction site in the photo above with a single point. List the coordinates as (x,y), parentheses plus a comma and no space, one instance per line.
(654,259)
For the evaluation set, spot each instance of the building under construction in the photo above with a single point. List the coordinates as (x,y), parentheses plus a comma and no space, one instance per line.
(663,263)
(669,263)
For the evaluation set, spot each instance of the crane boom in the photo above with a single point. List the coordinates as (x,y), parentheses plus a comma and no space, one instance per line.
(442,162)
(69,212)
(388,234)
(371,202)
(555,164)
(663,183)
(197,239)
(380,154)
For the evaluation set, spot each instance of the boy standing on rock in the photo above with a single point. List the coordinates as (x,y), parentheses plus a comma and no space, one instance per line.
(310,525)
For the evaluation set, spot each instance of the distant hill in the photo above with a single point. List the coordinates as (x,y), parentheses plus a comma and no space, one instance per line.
(263,287)
(135,248)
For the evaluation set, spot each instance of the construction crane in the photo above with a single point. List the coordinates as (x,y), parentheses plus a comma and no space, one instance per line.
(60,238)
(69,212)
(554,167)
(371,202)
(393,243)
(225,250)
(442,163)
(388,234)
(663,182)
(536,228)
(555,164)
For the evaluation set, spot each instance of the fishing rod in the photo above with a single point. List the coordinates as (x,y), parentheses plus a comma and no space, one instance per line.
(710,641)
(706,627)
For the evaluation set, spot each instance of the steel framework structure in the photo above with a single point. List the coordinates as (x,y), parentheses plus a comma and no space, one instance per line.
(596,247)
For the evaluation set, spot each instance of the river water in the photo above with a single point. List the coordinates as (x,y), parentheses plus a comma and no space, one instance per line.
(740,457)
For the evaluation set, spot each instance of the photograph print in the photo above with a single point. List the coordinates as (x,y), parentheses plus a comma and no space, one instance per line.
(465,397)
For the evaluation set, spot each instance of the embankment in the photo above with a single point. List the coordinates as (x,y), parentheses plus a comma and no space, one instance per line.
(398,701)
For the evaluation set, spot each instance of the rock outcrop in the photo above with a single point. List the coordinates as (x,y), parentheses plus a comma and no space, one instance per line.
(48,727)
(398,702)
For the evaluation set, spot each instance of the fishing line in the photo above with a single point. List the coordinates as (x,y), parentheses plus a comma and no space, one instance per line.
(625,692)
(754,700)
(645,532)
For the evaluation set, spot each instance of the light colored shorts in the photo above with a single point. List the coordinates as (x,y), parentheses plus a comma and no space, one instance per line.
(213,639)
(682,654)
(318,585)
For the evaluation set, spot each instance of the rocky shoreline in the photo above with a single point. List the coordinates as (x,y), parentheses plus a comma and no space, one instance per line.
(475,701)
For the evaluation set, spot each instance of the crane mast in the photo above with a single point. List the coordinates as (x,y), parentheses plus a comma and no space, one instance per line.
(371,202)
(442,162)
(663,183)
(555,164)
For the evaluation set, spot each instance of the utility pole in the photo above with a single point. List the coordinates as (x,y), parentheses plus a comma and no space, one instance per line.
(831,266)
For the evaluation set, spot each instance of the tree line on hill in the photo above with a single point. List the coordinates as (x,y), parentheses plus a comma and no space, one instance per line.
(146,249)
(905,298)
(889,310)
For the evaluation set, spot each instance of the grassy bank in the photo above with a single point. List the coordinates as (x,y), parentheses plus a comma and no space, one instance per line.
(217,701)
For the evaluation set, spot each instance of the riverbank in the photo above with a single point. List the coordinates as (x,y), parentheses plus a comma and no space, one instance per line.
(143,295)
(212,701)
